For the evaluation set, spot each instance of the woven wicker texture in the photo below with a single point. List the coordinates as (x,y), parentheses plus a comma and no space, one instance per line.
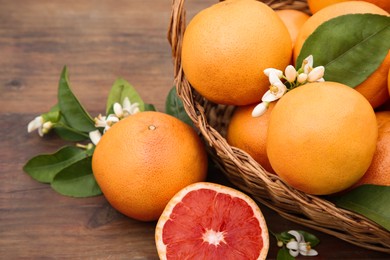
(212,119)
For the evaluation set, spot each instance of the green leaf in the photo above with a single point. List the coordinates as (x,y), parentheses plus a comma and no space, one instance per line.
(44,167)
(350,47)
(309,238)
(174,107)
(62,128)
(71,109)
(371,201)
(121,89)
(149,107)
(69,134)
(283,254)
(284,237)
(77,180)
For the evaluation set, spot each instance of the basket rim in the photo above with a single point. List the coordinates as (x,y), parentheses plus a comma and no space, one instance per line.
(196,107)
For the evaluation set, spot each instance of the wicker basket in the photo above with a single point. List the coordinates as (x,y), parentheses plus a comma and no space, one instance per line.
(244,172)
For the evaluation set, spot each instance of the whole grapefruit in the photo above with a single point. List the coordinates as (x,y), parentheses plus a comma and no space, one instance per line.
(316,5)
(294,20)
(321,137)
(227,46)
(144,159)
(250,133)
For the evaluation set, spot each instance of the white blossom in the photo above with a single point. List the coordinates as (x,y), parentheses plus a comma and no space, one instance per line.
(95,136)
(35,124)
(307,64)
(100,121)
(293,78)
(299,246)
(126,109)
(316,74)
(38,123)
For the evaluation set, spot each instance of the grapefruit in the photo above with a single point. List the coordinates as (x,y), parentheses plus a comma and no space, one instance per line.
(316,5)
(144,159)
(293,19)
(379,171)
(210,221)
(321,137)
(250,133)
(226,47)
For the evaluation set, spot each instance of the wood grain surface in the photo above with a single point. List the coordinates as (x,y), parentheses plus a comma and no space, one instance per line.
(99,41)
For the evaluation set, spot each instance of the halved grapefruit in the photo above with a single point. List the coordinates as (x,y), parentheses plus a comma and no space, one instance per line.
(211,221)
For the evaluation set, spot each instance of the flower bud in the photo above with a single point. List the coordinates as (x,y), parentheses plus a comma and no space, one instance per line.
(302,78)
(291,73)
(316,74)
(260,109)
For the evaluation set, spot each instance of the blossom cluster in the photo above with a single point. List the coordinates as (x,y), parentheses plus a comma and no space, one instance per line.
(45,122)
(292,79)
(299,246)
(120,111)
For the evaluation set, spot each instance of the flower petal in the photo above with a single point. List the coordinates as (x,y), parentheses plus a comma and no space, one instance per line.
(297,235)
(35,124)
(126,103)
(278,73)
(269,97)
(292,245)
(293,253)
(100,121)
(282,89)
(274,78)
(260,109)
(95,136)
(310,252)
(111,119)
(307,64)
(118,110)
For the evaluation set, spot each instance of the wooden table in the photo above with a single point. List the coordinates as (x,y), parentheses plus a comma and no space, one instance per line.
(98,41)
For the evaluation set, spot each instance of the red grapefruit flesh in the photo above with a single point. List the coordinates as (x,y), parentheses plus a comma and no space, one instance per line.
(210,221)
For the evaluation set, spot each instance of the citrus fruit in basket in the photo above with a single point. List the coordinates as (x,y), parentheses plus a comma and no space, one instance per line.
(388,81)
(316,5)
(226,47)
(374,87)
(249,133)
(211,221)
(321,137)
(379,171)
(144,159)
(293,19)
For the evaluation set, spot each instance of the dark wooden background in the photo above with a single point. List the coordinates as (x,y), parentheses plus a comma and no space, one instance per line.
(98,41)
